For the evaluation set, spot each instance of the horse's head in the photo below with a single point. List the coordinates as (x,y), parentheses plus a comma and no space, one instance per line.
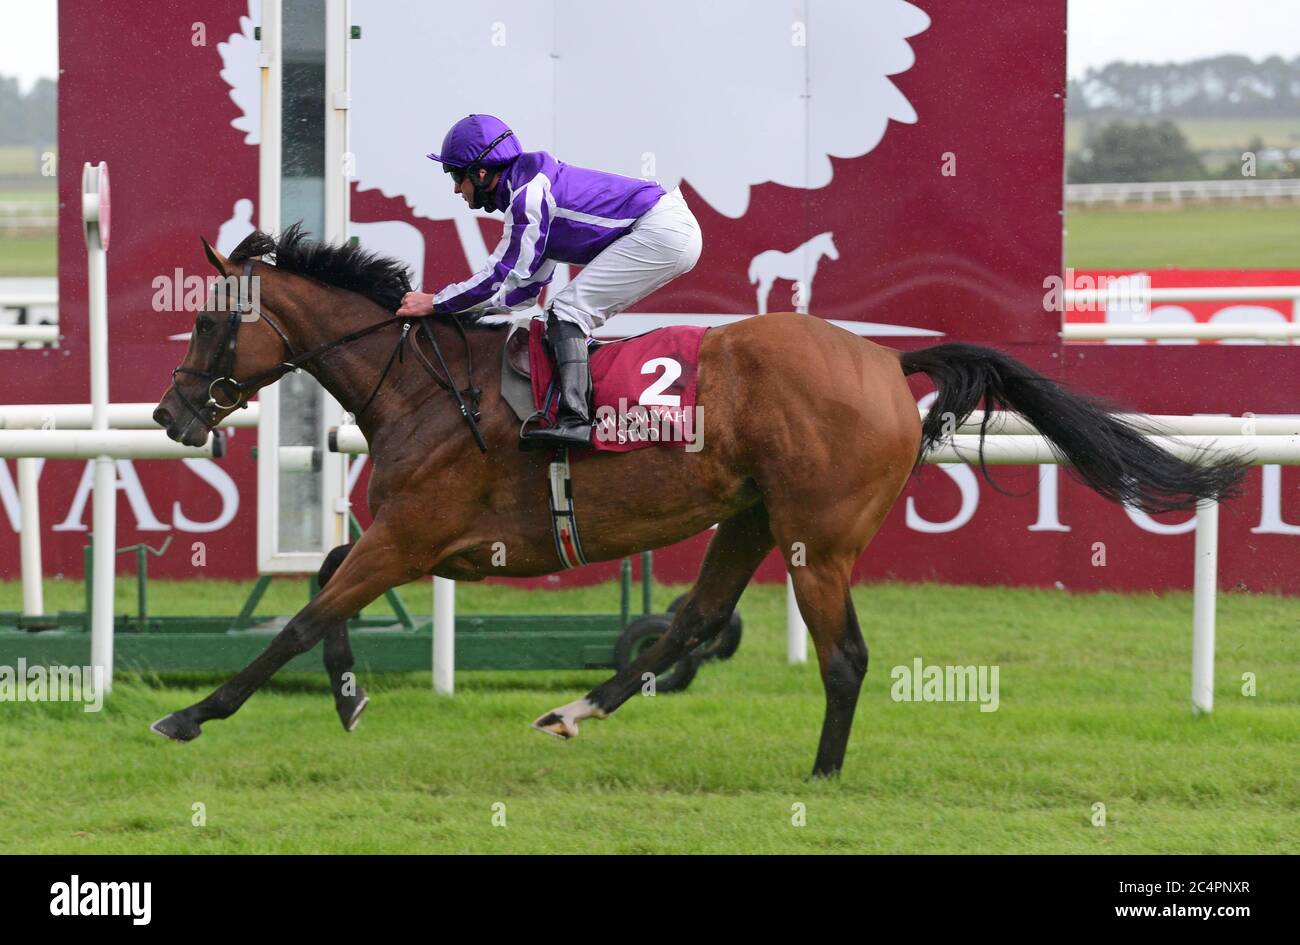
(827,246)
(235,349)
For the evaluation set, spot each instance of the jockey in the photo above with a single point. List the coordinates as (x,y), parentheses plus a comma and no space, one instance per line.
(629,236)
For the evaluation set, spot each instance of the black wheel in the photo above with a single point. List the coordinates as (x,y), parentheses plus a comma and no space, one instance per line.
(642,633)
(725,644)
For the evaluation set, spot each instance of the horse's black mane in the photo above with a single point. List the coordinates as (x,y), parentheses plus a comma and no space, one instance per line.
(381,279)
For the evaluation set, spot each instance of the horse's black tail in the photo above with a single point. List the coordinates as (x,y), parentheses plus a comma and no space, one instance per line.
(1111,456)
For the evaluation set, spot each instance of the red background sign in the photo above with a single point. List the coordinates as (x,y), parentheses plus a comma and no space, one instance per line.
(965,254)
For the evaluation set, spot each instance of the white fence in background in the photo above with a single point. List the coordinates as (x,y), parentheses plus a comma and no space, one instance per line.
(28,315)
(31,432)
(28,216)
(1176,192)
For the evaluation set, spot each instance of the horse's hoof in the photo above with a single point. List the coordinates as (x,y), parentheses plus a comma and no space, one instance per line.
(351,716)
(177,728)
(552,723)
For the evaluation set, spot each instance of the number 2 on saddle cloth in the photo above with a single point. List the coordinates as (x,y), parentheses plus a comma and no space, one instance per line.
(643,389)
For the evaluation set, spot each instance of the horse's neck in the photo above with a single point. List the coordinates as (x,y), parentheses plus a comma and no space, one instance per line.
(355,371)
(315,315)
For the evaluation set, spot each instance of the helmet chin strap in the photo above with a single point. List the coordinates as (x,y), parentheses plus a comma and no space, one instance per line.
(481,190)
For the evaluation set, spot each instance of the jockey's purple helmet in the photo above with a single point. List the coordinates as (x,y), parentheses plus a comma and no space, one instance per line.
(478,139)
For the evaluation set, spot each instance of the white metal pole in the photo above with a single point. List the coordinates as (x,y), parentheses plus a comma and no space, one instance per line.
(1204,584)
(796,631)
(115,444)
(337,183)
(105,509)
(137,416)
(30,536)
(444,636)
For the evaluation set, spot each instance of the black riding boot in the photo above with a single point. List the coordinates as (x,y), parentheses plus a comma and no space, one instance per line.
(573,423)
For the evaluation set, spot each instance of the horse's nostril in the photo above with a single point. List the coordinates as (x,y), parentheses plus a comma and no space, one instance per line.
(162,417)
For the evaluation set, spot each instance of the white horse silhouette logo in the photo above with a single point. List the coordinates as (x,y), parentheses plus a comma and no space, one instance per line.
(798,265)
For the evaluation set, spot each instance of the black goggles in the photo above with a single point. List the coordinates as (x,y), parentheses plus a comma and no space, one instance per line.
(457,174)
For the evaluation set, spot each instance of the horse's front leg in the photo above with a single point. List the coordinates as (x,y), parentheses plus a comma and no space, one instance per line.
(349,699)
(374,564)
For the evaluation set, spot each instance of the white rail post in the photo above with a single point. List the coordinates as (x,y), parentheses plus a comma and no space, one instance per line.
(30,537)
(95,222)
(444,636)
(1205,581)
(796,631)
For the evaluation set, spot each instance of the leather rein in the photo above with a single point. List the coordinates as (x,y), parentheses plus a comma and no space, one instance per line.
(221,381)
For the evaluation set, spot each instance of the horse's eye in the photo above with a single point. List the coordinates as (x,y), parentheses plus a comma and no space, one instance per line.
(203,326)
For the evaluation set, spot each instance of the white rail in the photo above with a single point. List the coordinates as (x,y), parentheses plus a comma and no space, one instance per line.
(125,416)
(46,334)
(1263,331)
(28,299)
(23,301)
(1194,425)
(1013,450)
(1134,293)
(1178,191)
(111,444)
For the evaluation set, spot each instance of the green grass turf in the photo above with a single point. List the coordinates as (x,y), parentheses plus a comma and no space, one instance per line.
(28,256)
(1094,709)
(42,192)
(19,160)
(1214,237)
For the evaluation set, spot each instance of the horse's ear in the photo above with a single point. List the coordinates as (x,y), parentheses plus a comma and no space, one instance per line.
(219,262)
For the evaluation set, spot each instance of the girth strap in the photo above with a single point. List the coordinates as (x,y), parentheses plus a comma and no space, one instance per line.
(564,521)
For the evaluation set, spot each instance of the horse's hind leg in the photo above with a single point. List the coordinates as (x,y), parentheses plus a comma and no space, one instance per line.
(349,699)
(824,601)
(736,550)
(830,541)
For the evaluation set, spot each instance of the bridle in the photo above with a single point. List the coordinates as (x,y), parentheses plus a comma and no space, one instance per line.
(220,373)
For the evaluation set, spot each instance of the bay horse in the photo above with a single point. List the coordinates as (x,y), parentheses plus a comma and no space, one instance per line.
(813,434)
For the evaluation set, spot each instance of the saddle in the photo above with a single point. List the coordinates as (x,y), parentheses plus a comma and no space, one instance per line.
(643,387)
(516,388)
(516,370)
(655,372)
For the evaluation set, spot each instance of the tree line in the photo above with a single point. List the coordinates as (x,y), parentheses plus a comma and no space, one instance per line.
(28,119)
(1227,86)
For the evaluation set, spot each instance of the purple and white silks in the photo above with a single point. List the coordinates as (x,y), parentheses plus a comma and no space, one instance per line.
(555,212)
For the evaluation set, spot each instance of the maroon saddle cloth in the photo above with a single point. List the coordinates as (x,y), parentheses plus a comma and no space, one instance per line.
(643,388)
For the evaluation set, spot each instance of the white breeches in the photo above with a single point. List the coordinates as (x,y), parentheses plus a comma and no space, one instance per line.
(664,244)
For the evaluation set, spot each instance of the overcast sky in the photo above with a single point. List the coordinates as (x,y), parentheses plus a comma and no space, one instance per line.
(1099,31)
(29,45)
(1175,30)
